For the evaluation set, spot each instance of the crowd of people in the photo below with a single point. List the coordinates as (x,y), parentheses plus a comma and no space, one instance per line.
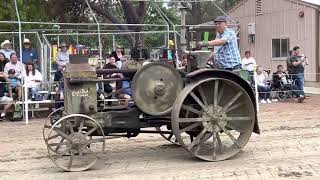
(282,81)
(15,72)
(226,56)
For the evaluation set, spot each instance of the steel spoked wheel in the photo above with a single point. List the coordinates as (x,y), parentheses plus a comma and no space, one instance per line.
(71,145)
(53,117)
(219,116)
(169,136)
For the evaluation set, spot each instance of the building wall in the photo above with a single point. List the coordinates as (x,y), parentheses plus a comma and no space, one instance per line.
(279,19)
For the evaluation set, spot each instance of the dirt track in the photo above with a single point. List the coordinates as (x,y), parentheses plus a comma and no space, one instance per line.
(288,147)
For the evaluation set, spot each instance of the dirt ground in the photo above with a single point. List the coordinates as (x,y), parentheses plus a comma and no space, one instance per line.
(288,148)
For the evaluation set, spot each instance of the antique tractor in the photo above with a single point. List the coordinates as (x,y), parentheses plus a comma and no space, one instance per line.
(209,112)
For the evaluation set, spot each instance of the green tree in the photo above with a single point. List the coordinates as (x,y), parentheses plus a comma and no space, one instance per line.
(107,11)
(29,10)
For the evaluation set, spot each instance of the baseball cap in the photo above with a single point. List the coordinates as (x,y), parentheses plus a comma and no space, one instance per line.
(220,19)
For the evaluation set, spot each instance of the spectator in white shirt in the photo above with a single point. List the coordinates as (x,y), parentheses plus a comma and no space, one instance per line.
(18,67)
(263,86)
(6,48)
(62,58)
(249,63)
(33,79)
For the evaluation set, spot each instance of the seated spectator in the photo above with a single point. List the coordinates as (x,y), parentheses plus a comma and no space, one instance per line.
(29,55)
(107,85)
(183,63)
(4,100)
(138,52)
(263,87)
(3,61)
(280,81)
(14,84)
(125,93)
(62,57)
(111,64)
(6,48)
(18,67)
(249,63)
(118,54)
(32,79)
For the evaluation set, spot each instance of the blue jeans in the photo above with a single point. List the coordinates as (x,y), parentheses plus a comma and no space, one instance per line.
(33,91)
(299,81)
(264,92)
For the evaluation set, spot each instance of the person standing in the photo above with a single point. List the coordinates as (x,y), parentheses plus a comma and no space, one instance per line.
(297,62)
(139,53)
(249,63)
(226,53)
(29,55)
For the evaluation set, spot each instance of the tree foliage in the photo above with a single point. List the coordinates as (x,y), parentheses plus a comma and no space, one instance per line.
(29,10)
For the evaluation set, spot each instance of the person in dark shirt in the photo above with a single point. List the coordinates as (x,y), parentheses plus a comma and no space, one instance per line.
(297,62)
(118,54)
(280,81)
(111,64)
(139,53)
(4,99)
(29,55)
(3,61)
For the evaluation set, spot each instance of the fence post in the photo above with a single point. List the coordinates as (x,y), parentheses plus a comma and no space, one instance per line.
(113,42)
(20,49)
(99,35)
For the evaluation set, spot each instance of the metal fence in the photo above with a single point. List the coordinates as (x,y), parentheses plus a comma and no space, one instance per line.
(88,43)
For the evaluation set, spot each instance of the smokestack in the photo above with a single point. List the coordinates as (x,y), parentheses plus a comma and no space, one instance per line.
(202,57)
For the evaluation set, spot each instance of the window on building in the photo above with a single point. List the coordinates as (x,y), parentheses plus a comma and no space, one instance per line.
(280,47)
(258,7)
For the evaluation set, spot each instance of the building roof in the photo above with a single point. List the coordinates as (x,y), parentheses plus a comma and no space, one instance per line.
(311,2)
(316,2)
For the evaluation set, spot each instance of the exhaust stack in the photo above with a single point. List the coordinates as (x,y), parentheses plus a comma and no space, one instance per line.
(201,56)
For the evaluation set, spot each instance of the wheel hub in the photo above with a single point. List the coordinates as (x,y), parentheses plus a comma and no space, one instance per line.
(214,118)
(160,89)
(78,142)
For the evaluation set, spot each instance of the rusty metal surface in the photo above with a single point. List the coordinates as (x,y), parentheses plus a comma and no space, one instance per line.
(133,64)
(218,114)
(80,98)
(78,80)
(111,71)
(155,87)
(218,73)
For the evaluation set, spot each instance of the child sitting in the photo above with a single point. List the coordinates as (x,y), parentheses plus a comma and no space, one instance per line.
(14,83)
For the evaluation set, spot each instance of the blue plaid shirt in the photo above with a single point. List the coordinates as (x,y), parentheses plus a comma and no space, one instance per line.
(227,55)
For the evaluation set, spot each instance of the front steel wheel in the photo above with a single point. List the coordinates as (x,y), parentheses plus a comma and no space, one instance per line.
(219,116)
(71,145)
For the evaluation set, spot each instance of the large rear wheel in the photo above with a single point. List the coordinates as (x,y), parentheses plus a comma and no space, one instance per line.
(219,116)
